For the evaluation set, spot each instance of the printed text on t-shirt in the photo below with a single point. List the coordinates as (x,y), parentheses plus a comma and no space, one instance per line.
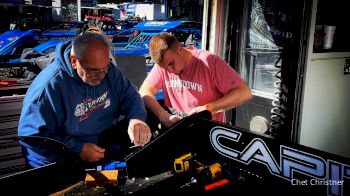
(183,83)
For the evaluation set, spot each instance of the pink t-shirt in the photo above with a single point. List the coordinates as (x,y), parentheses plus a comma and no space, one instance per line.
(207,78)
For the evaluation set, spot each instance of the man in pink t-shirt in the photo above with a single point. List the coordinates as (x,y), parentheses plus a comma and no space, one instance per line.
(192,81)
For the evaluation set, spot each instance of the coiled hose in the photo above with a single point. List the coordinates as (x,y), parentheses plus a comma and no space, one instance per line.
(278,111)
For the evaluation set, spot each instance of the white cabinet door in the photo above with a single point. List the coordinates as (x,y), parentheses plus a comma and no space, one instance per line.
(326,107)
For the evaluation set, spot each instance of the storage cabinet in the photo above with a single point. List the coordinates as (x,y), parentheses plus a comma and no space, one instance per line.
(325,108)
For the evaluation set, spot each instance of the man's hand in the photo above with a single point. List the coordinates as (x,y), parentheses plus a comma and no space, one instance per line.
(139,132)
(169,119)
(199,109)
(91,152)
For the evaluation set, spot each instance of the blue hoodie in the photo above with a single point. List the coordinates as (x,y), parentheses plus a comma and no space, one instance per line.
(59,105)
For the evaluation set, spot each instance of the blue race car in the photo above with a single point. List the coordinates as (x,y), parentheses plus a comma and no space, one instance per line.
(14,41)
(64,31)
(187,32)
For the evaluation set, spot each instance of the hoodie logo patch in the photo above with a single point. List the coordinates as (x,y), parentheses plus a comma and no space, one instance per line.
(83,110)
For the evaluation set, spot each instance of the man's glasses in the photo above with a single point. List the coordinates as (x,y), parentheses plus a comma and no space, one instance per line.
(94,72)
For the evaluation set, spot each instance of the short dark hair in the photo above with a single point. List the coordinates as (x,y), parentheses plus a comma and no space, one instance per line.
(160,44)
(86,40)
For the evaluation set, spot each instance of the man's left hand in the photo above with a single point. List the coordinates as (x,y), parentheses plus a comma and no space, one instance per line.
(139,132)
(199,109)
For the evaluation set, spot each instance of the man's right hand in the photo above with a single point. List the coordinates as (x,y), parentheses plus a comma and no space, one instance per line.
(169,119)
(147,92)
(91,153)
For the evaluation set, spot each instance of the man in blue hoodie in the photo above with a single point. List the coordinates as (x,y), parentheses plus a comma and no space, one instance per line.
(76,98)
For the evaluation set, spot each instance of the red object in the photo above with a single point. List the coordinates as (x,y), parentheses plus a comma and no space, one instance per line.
(7,82)
(4,83)
(216,184)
